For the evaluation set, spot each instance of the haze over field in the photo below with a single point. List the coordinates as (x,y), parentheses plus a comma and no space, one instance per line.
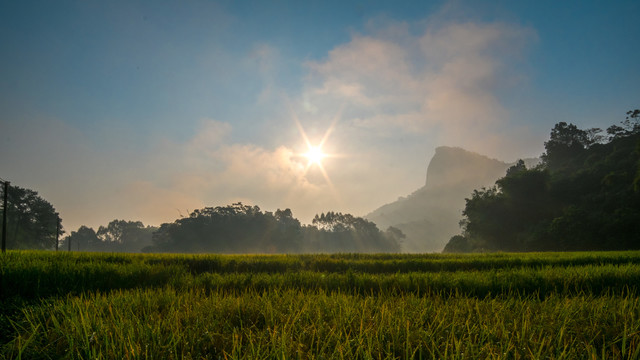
(430,216)
(146,111)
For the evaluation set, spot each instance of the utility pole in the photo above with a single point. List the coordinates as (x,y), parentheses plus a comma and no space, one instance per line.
(57,230)
(69,237)
(4,217)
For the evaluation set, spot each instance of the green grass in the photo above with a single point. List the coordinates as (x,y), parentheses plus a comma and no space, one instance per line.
(502,306)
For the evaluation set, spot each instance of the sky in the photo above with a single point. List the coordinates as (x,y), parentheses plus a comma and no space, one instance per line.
(148,110)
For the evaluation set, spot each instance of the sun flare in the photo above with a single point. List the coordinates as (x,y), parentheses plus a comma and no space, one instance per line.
(315,155)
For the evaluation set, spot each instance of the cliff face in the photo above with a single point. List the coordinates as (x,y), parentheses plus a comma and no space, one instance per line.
(430,215)
(453,167)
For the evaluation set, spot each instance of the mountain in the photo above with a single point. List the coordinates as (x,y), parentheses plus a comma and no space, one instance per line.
(430,215)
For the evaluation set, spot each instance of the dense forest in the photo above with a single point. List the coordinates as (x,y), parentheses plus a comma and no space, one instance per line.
(585,195)
(117,236)
(236,228)
(240,228)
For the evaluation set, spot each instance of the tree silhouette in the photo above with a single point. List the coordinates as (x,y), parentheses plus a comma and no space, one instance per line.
(240,228)
(84,239)
(31,220)
(584,196)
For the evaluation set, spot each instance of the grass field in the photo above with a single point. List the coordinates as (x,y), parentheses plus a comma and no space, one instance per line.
(347,306)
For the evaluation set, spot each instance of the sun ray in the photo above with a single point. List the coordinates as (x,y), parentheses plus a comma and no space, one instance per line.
(331,127)
(299,126)
(315,154)
(326,178)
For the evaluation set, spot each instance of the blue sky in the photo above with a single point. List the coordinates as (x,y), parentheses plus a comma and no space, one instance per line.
(145,110)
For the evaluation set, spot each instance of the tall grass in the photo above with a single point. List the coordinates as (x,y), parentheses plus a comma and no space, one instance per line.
(35,275)
(347,306)
(165,323)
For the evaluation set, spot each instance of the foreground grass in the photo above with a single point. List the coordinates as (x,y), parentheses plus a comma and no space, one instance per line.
(133,306)
(192,324)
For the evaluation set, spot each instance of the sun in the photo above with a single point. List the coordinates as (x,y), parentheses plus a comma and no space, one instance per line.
(315,155)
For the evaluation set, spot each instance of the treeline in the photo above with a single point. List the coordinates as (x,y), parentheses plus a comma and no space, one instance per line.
(117,236)
(585,195)
(240,228)
(235,228)
(33,223)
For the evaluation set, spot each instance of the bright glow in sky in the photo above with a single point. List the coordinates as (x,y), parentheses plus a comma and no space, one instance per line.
(315,155)
(148,110)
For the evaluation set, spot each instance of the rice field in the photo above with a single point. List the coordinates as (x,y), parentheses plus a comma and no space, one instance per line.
(342,306)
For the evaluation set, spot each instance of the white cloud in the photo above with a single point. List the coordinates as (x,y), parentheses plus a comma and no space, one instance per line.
(209,135)
(210,171)
(442,81)
(403,92)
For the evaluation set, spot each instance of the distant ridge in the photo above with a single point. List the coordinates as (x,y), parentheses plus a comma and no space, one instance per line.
(430,215)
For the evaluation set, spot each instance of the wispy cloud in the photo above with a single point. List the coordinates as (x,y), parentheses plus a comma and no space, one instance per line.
(400,90)
(439,80)
(213,171)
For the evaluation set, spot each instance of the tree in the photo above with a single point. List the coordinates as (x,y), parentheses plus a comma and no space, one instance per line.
(289,231)
(566,144)
(458,244)
(124,236)
(630,126)
(395,235)
(337,232)
(584,197)
(84,239)
(483,213)
(235,228)
(240,228)
(517,168)
(31,220)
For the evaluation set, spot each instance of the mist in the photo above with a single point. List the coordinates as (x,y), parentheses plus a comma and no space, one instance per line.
(149,113)
(430,215)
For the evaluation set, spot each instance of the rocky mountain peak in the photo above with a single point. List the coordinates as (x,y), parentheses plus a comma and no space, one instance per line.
(456,167)
(430,215)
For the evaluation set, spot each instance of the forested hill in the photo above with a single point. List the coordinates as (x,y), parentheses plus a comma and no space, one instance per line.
(584,196)
(430,215)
